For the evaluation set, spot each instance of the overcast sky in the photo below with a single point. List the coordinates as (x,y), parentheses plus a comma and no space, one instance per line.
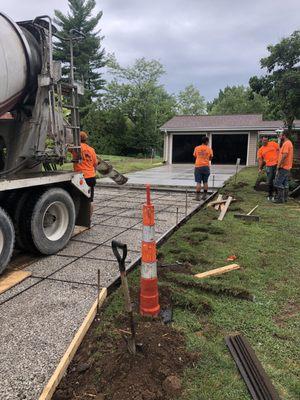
(209,43)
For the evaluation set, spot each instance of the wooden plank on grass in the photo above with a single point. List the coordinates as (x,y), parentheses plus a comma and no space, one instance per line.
(219,198)
(224,210)
(11,279)
(217,271)
(69,354)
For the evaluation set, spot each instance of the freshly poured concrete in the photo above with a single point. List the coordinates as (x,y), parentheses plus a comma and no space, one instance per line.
(39,317)
(181,175)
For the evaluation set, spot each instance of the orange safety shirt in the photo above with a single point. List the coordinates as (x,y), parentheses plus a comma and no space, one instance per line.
(269,153)
(203,155)
(89,161)
(286,148)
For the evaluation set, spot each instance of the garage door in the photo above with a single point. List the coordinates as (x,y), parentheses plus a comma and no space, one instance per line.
(183,148)
(227,148)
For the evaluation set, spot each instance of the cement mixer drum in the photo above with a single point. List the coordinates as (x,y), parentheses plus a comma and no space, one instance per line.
(20,62)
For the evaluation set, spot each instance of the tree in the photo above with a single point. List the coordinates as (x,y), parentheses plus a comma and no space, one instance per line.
(281,84)
(88,52)
(190,101)
(135,93)
(237,100)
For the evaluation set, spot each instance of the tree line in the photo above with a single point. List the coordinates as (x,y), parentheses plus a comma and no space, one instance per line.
(123,112)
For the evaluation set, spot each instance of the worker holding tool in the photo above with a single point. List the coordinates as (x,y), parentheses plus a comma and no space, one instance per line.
(203,155)
(284,165)
(88,164)
(268,155)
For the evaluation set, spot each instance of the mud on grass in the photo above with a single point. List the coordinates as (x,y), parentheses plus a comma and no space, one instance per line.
(103,369)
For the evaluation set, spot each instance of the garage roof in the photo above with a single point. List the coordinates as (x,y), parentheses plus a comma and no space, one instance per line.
(221,122)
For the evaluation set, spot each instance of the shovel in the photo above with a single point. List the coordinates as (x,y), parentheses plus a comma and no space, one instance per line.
(116,246)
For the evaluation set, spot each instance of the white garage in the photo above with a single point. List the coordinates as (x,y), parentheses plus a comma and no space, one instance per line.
(231,137)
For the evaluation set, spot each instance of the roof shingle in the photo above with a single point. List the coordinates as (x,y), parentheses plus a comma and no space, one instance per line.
(221,122)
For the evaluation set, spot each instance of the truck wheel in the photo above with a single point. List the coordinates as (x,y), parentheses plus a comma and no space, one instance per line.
(7,239)
(23,237)
(52,221)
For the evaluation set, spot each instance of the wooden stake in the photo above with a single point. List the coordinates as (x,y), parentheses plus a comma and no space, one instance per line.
(253,209)
(217,271)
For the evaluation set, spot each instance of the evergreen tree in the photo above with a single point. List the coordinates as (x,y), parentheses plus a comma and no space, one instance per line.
(88,52)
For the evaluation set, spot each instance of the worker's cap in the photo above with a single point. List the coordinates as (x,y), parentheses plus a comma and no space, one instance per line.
(83,136)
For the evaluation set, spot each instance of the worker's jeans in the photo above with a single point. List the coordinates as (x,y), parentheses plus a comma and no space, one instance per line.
(271,172)
(281,180)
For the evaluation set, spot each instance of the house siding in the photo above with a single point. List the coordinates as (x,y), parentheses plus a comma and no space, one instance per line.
(252,148)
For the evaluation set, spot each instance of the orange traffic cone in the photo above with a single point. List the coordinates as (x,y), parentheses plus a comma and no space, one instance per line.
(149,288)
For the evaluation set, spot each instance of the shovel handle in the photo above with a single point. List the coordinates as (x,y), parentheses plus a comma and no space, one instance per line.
(116,246)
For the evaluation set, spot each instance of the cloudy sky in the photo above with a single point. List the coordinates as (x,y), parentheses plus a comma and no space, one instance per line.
(210,43)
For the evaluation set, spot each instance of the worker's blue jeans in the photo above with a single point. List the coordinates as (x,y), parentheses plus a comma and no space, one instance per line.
(271,172)
(281,180)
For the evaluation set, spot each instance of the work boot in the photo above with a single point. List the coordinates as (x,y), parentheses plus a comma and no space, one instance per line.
(204,197)
(286,194)
(197,196)
(280,197)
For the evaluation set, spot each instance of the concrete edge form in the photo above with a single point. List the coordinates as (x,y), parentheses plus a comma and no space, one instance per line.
(12,278)
(65,361)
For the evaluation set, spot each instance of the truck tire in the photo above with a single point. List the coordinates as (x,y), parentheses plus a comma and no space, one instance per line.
(50,220)
(7,239)
(23,238)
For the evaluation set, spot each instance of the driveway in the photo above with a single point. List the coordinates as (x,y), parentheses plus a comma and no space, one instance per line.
(178,175)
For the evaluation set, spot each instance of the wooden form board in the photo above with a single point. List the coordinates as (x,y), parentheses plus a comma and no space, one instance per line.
(71,351)
(12,278)
(217,271)
(224,210)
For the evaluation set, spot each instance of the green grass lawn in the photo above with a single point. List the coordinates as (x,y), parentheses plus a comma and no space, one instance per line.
(269,254)
(126,164)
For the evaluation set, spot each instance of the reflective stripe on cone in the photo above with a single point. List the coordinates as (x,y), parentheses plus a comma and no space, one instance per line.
(148,233)
(149,270)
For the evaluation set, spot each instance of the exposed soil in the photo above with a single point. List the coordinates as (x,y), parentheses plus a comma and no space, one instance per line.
(103,369)
(240,185)
(291,310)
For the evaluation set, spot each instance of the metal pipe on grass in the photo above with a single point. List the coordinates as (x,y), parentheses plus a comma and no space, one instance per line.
(186,201)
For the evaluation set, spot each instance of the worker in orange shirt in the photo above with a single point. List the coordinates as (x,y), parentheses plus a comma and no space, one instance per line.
(87,165)
(284,165)
(203,155)
(268,155)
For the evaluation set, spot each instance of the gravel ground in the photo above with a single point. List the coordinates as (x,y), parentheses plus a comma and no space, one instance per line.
(40,316)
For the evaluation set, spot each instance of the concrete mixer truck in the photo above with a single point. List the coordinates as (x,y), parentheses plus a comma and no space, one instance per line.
(39,205)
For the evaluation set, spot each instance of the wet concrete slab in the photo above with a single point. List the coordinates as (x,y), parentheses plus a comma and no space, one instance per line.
(36,329)
(177,175)
(104,252)
(99,234)
(85,270)
(47,265)
(77,249)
